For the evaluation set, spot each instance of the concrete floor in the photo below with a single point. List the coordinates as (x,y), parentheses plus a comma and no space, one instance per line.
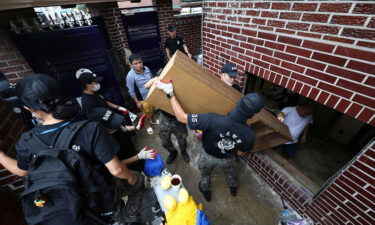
(319,159)
(255,204)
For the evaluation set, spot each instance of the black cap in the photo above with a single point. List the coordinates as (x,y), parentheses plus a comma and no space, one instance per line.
(109,118)
(171,28)
(230,69)
(35,89)
(250,104)
(86,76)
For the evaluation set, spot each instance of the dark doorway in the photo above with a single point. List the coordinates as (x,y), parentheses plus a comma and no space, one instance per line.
(334,138)
(142,32)
(61,53)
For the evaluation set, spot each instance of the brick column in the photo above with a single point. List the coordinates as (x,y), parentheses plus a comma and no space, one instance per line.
(114,25)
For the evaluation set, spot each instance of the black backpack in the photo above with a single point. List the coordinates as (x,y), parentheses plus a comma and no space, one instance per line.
(63,186)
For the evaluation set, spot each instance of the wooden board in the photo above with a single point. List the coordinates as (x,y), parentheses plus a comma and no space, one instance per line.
(200,91)
(197,89)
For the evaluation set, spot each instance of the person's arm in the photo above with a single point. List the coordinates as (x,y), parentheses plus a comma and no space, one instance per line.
(145,153)
(178,110)
(186,50)
(130,84)
(151,82)
(304,134)
(130,160)
(281,116)
(118,169)
(11,164)
(111,105)
(168,54)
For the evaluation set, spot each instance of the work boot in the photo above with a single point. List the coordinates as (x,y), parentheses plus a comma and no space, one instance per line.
(233,191)
(206,194)
(171,157)
(185,156)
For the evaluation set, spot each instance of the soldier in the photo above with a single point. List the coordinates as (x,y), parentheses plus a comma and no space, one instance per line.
(228,73)
(170,125)
(223,136)
(175,42)
(43,97)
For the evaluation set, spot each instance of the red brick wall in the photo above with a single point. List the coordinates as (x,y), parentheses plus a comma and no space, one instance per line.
(323,50)
(114,25)
(14,66)
(12,63)
(188,27)
(348,199)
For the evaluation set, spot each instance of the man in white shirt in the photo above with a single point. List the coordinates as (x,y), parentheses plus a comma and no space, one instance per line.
(298,120)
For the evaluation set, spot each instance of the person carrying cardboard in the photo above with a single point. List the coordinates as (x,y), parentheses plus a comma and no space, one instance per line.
(223,136)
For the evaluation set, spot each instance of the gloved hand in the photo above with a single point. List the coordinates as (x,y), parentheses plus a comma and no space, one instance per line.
(123,110)
(146,153)
(166,87)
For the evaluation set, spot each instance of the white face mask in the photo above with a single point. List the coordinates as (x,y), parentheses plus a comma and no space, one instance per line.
(96,87)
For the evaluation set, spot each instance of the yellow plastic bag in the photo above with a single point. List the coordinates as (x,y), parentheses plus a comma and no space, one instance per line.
(184,214)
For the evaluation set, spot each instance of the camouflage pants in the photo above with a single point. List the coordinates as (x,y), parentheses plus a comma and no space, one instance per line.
(169,126)
(130,211)
(206,163)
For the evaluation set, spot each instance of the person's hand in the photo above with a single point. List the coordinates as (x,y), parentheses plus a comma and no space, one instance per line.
(189,55)
(167,87)
(132,179)
(123,110)
(139,106)
(303,139)
(280,117)
(146,153)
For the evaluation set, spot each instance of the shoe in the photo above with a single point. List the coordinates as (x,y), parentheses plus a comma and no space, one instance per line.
(206,194)
(233,191)
(141,122)
(185,156)
(156,122)
(171,157)
(150,130)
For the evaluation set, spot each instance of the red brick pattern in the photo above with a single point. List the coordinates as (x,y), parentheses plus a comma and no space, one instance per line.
(114,25)
(12,63)
(326,47)
(347,199)
(10,130)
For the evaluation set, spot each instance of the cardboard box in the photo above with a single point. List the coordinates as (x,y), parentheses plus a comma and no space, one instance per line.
(200,91)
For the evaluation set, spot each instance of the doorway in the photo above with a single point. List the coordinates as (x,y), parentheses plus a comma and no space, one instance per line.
(60,53)
(333,140)
(143,34)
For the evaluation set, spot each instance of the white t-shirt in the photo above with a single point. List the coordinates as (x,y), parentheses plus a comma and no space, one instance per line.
(295,122)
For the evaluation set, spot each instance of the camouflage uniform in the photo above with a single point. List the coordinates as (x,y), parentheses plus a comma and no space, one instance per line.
(130,211)
(169,126)
(206,163)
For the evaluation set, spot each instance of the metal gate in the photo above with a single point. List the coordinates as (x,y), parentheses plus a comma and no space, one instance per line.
(142,32)
(60,53)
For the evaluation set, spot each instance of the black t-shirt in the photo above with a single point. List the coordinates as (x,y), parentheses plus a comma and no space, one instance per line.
(92,101)
(222,136)
(174,44)
(92,138)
